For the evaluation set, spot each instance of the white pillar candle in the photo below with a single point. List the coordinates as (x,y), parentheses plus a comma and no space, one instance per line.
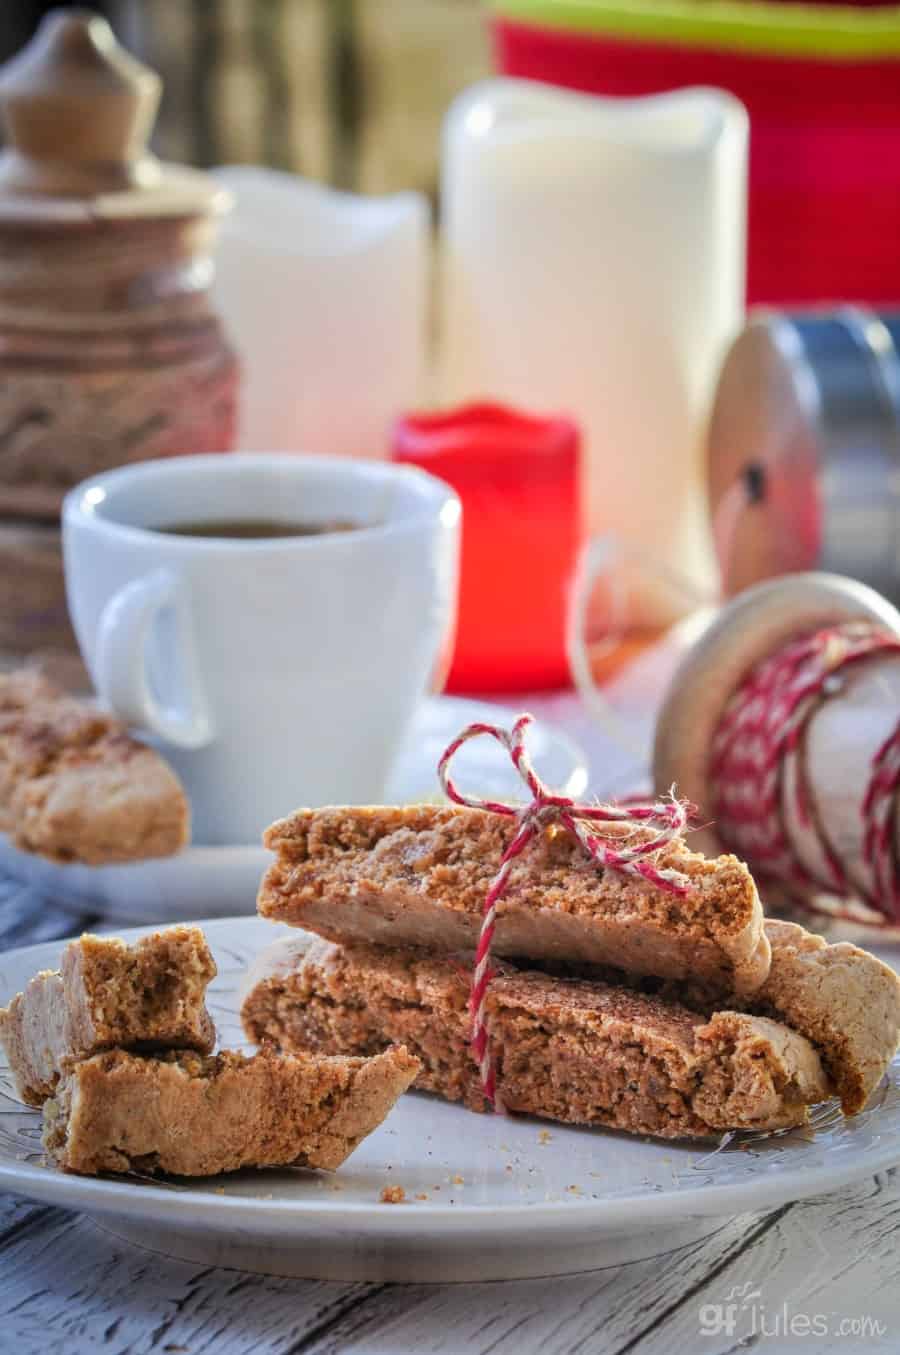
(325,297)
(593,263)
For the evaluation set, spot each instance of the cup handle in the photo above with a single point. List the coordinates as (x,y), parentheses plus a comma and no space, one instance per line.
(126,624)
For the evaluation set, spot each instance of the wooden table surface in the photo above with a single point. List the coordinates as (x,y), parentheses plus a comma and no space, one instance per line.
(68,1287)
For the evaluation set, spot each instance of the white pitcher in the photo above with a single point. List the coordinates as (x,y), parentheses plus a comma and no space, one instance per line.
(593,263)
(325,296)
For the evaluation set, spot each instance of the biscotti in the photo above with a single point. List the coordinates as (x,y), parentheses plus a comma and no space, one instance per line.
(198,1116)
(418,876)
(846,1001)
(74,785)
(843,999)
(106,993)
(576,1051)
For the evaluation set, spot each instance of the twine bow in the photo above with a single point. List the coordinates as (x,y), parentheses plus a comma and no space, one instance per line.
(668,818)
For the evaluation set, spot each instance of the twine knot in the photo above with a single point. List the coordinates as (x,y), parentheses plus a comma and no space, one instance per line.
(667,820)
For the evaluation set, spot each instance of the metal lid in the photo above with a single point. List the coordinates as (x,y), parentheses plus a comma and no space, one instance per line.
(78,110)
(807,418)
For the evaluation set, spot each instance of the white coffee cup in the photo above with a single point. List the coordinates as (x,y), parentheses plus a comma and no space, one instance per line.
(273,672)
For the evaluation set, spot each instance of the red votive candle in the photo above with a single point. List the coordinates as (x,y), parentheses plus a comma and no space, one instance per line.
(517,475)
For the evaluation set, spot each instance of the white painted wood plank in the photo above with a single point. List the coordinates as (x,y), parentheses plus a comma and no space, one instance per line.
(820,1270)
(67,1287)
(834,1258)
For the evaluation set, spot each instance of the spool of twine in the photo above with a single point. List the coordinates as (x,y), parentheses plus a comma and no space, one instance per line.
(783,726)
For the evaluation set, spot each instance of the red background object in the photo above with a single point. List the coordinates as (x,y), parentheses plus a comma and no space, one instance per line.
(824,208)
(518,478)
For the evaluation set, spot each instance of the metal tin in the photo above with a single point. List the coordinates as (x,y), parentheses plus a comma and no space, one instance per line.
(805,430)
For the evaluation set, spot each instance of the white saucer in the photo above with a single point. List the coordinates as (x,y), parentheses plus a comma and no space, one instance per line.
(223,881)
(487,1197)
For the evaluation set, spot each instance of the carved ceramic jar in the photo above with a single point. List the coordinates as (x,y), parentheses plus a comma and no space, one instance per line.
(110,351)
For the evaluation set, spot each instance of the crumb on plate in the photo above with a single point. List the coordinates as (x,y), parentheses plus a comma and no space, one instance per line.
(393,1195)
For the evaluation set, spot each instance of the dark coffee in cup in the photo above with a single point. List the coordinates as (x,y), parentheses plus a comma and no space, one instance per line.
(250,529)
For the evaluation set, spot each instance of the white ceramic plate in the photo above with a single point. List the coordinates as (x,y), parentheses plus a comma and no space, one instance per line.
(222,881)
(487,1197)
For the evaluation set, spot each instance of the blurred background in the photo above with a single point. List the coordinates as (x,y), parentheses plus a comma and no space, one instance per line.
(780,187)
(637,304)
(351,92)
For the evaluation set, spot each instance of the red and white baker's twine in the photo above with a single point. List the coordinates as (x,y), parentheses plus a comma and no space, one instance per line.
(764,723)
(668,818)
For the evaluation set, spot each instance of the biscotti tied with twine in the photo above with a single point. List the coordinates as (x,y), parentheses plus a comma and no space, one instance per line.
(576,1051)
(619,1004)
(418,876)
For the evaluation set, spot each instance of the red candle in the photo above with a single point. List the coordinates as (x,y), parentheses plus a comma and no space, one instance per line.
(517,475)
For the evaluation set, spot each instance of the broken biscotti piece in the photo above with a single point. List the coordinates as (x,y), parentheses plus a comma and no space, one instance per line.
(106,993)
(577,1051)
(418,876)
(195,1116)
(846,1001)
(74,785)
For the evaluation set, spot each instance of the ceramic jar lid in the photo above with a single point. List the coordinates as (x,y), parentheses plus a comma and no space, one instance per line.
(78,110)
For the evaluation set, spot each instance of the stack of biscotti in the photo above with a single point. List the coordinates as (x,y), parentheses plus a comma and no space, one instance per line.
(75,786)
(116,1047)
(614,1002)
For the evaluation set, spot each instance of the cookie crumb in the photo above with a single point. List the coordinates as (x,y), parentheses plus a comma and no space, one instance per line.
(393,1195)
(421,1195)
(457,1180)
(544,1137)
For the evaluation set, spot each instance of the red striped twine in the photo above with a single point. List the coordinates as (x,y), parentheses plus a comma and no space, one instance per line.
(763,723)
(668,818)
